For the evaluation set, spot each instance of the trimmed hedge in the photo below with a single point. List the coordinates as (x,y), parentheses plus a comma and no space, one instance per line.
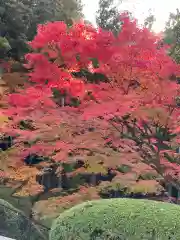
(14,224)
(118,219)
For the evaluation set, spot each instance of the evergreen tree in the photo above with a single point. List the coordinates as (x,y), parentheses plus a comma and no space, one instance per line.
(149,21)
(14,25)
(107,17)
(19,19)
(172,34)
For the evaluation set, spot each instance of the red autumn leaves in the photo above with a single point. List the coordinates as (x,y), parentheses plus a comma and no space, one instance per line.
(137,69)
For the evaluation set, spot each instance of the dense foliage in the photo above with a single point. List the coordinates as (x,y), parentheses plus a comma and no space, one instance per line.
(118,219)
(14,17)
(19,19)
(172,34)
(137,71)
(95,118)
(107,16)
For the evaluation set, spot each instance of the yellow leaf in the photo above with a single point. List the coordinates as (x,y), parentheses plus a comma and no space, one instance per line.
(96,168)
(3,120)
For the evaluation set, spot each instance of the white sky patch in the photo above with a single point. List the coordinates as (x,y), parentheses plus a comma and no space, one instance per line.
(140,10)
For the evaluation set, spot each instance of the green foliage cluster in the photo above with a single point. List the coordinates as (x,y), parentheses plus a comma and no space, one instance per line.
(149,21)
(172,35)
(118,219)
(14,18)
(112,190)
(124,168)
(107,16)
(148,176)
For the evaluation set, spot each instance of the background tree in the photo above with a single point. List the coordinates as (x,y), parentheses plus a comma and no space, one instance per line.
(19,19)
(14,18)
(149,21)
(49,10)
(107,17)
(172,35)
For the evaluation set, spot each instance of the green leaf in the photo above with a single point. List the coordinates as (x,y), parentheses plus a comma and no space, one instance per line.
(68,167)
(169,158)
(162,146)
(95,62)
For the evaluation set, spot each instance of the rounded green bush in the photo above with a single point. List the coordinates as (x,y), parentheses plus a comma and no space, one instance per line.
(118,219)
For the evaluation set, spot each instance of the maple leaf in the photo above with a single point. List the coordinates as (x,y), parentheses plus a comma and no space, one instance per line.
(177,130)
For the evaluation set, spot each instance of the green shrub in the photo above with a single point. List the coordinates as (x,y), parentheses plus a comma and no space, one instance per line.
(4,44)
(148,176)
(113,190)
(118,219)
(124,168)
(14,224)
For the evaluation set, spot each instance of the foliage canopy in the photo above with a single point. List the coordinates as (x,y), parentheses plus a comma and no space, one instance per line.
(114,86)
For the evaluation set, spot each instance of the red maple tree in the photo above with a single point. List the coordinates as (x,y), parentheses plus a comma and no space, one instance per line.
(84,77)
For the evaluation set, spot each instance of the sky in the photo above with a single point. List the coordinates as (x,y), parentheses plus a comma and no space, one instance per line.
(140,10)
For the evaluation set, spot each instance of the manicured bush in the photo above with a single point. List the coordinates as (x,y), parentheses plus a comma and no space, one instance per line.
(118,219)
(14,224)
